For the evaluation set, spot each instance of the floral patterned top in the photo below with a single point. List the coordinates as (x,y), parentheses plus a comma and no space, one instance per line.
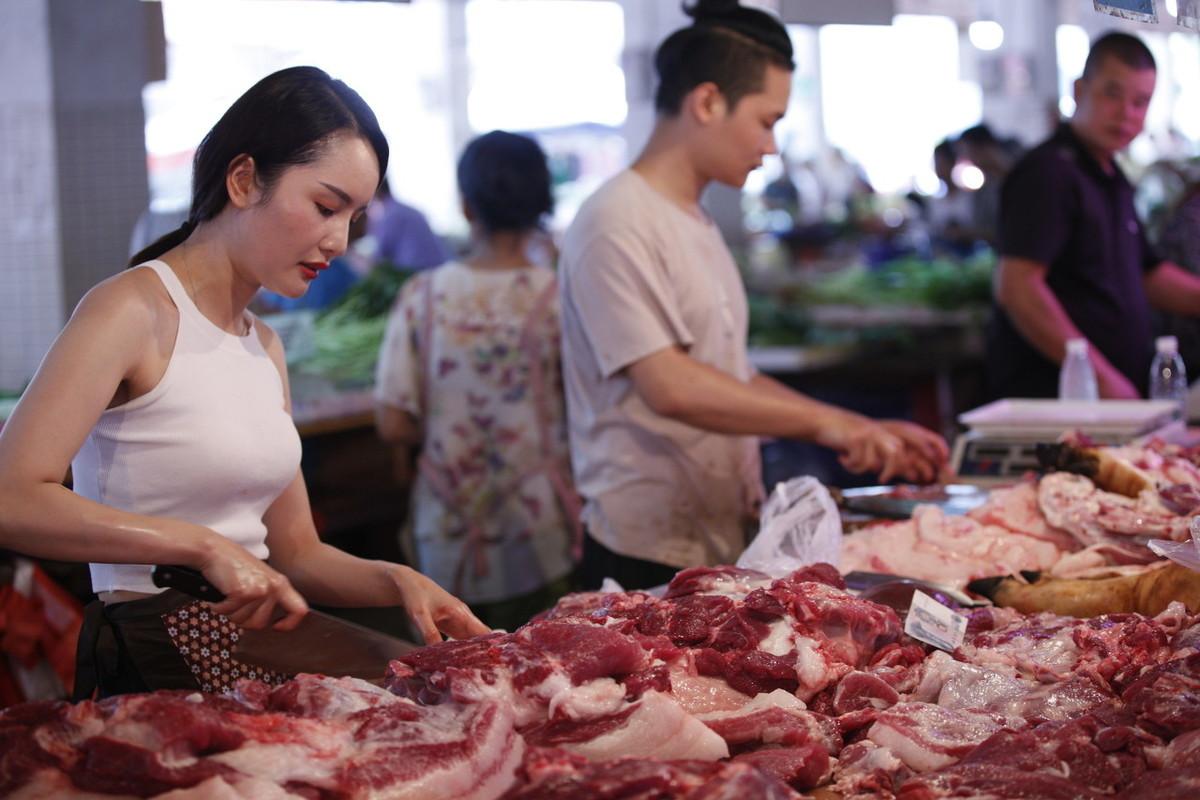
(473,355)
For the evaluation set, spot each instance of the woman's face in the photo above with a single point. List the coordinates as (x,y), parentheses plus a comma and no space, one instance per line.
(288,239)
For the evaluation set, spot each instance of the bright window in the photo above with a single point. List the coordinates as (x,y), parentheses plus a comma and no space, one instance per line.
(542,64)
(393,54)
(891,93)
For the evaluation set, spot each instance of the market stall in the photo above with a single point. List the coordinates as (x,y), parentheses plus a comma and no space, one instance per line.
(1080,681)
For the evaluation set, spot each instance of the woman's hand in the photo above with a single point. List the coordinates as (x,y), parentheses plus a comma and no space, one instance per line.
(252,589)
(432,609)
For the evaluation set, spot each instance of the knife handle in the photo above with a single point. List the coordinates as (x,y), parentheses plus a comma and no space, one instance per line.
(186,580)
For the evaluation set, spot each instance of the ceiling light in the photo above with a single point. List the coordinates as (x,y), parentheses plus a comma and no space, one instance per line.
(986,34)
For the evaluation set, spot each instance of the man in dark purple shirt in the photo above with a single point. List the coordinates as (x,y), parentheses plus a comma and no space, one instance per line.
(1074,259)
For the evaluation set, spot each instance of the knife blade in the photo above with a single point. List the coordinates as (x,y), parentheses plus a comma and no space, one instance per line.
(896,590)
(321,643)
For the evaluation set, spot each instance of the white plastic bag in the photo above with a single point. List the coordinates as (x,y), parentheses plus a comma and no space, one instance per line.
(800,525)
(1184,553)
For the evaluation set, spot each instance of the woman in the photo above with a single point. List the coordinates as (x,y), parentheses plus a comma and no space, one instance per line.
(470,372)
(172,400)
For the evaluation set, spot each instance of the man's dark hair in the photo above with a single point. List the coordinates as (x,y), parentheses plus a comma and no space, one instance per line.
(726,44)
(980,135)
(1129,50)
(945,149)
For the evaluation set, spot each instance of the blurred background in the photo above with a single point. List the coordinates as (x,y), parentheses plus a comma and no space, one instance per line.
(866,244)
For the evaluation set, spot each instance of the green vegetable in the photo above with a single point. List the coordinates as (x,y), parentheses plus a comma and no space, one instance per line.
(348,335)
(940,284)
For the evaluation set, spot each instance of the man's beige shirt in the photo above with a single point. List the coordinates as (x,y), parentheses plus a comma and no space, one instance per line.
(640,274)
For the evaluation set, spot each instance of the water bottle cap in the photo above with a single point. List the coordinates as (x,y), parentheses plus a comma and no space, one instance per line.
(1166,344)
(1077,346)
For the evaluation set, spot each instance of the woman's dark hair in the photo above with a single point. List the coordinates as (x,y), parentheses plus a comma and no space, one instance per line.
(284,120)
(726,44)
(505,182)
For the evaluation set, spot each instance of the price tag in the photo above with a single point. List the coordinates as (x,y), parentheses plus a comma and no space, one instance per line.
(931,622)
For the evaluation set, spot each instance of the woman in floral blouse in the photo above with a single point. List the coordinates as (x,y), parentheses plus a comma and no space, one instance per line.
(469,374)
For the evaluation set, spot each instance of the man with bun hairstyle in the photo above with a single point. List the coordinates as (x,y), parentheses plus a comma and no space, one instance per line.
(664,407)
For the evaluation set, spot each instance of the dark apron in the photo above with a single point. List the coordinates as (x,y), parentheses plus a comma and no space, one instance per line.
(167,641)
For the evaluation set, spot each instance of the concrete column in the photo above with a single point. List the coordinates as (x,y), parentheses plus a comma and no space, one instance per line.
(100,62)
(73,168)
(30,260)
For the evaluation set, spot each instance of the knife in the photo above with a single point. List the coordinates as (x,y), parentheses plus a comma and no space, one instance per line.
(990,587)
(897,590)
(321,643)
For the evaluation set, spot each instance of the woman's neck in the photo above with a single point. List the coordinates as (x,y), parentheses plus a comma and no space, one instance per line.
(499,250)
(212,281)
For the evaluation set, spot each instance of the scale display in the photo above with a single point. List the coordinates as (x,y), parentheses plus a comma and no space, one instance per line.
(978,456)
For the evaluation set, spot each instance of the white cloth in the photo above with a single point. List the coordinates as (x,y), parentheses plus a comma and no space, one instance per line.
(211,444)
(491,457)
(640,274)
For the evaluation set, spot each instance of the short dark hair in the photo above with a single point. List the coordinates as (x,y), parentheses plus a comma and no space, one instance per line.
(726,44)
(505,182)
(945,149)
(980,135)
(1129,50)
(284,120)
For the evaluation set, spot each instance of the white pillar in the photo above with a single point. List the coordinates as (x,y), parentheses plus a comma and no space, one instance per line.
(73,167)
(30,260)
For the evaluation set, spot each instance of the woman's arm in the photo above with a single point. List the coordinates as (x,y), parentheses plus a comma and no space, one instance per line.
(110,349)
(329,576)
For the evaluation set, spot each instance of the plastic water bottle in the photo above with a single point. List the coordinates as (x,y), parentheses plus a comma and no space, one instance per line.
(1168,379)
(1077,379)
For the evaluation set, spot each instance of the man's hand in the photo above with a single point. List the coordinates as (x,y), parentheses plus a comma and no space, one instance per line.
(892,448)
(927,452)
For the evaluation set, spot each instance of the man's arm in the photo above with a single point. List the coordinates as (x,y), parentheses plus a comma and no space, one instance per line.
(1021,290)
(677,386)
(1172,288)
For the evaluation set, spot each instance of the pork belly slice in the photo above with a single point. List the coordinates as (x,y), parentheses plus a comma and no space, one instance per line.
(1015,508)
(554,774)
(1112,649)
(927,737)
(311,736)
(774,718)
(866,771)
(653,727)
(1167,698)
(1074,504)
(949,550)
(994,782)
(1167,784)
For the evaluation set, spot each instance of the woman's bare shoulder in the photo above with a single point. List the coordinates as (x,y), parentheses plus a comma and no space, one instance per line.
(130,291)
(134,300)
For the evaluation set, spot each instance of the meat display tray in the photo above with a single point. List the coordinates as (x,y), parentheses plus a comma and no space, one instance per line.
(898,502)
(1049,419)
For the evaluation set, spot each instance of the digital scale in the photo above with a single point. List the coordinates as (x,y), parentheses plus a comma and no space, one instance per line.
(1002,437)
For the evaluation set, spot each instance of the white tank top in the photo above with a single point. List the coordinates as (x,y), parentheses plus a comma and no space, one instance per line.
(211,444)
